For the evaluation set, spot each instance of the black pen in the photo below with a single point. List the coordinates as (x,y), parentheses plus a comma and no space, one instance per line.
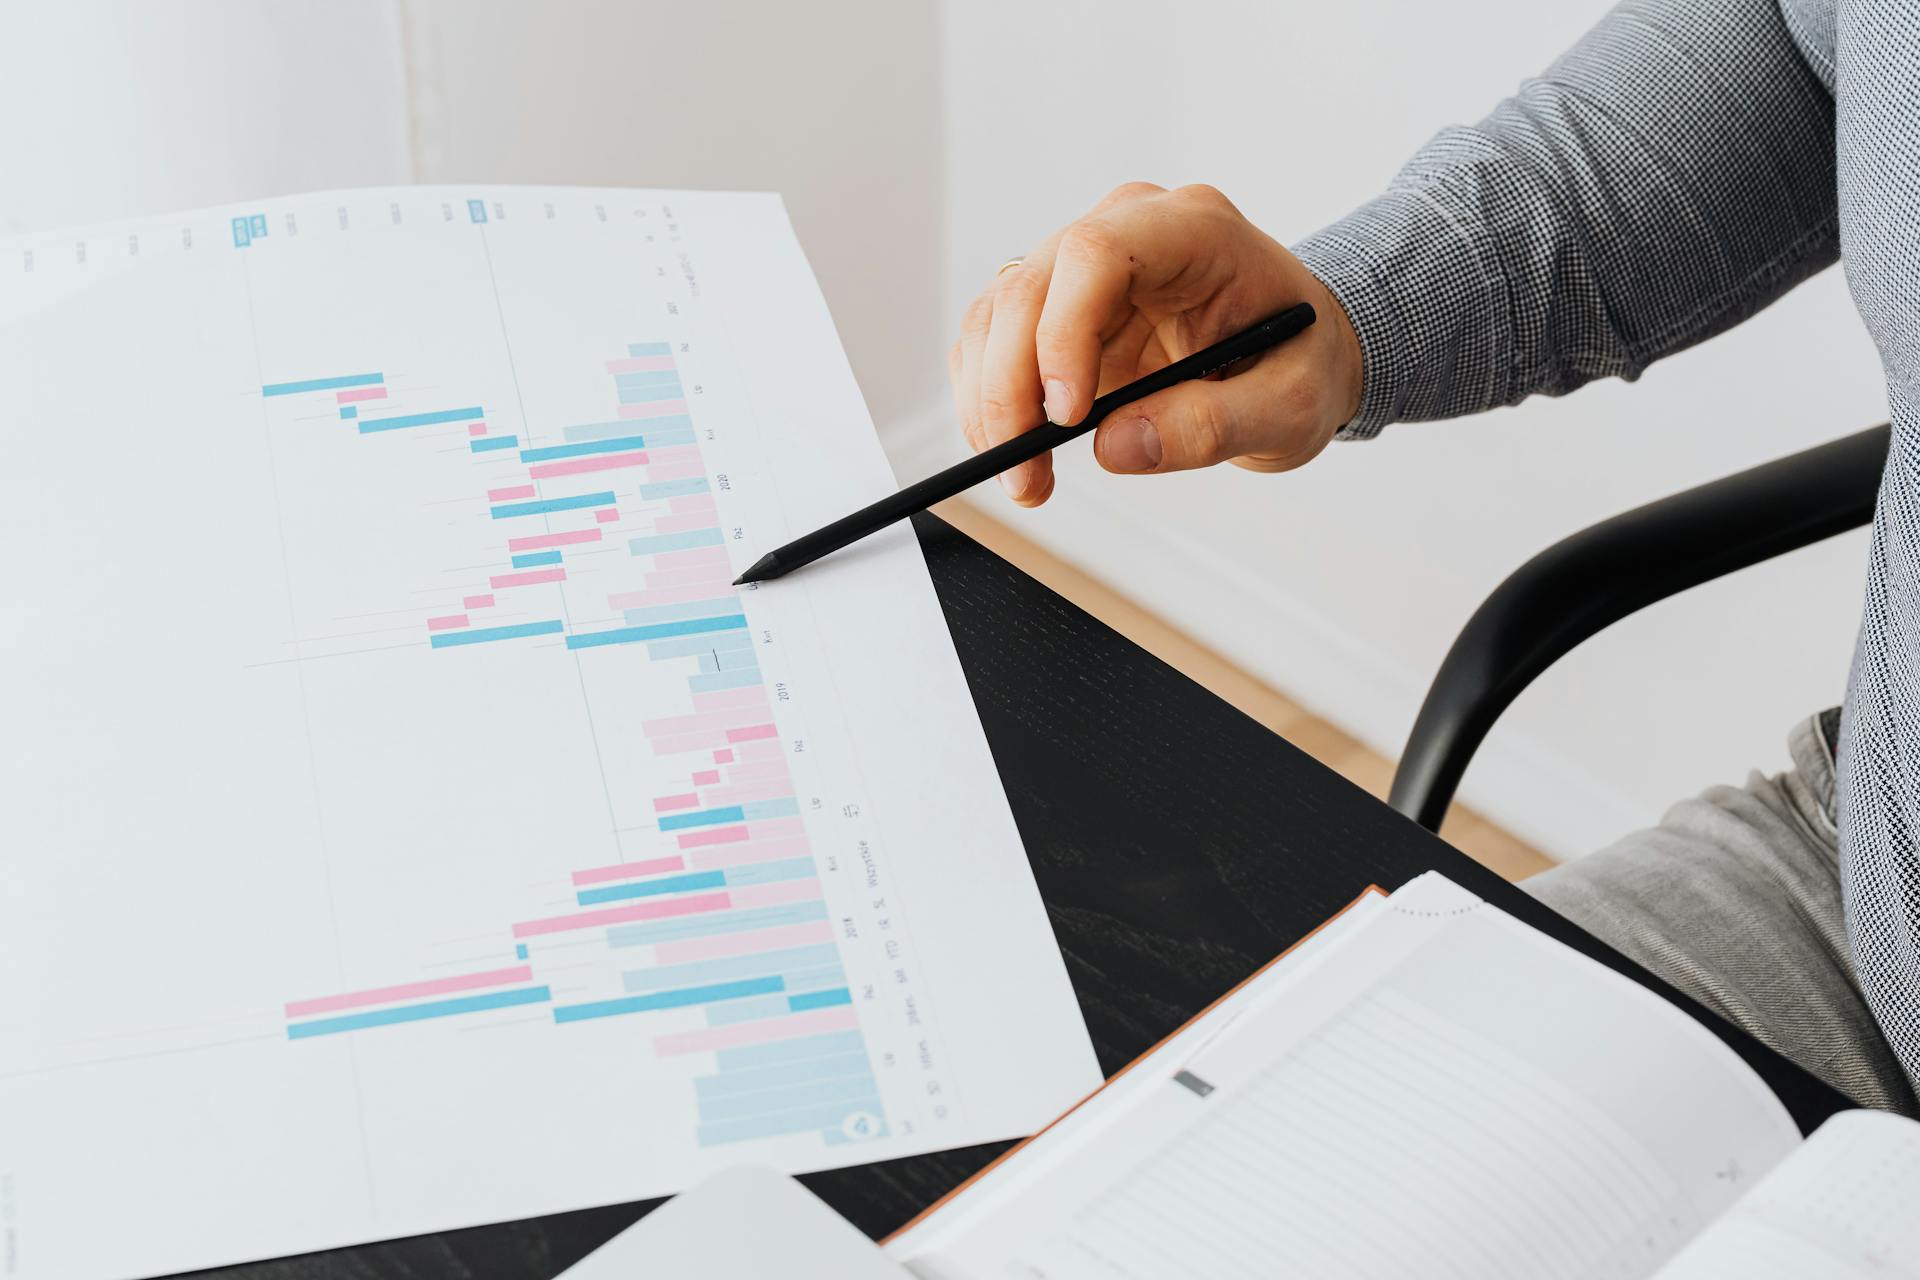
(955,480)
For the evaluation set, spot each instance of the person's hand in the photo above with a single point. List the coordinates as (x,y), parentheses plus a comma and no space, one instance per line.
(1146,277)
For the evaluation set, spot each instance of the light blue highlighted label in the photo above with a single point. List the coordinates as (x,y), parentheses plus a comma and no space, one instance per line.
(649,348)
(685,609)
(480,635)
(783,808)
(685,540)
(490,444)
(617,444)
(722,680)
(713,924)
(657,631)
(508,511)
(688,646)
(653,888)
(770,872)
(702,818)
(647,378)
(242,235)
(674,488)
(754,1079)
(472,413)
(826,1116)
(674,428)
(820,999)
(257,225)
(534,559)
(734,1012)
(666,1000)
(323,384)
(773,1101)
(825,1045)
(418,1012)
(349,411)
(727,968)
(477,210)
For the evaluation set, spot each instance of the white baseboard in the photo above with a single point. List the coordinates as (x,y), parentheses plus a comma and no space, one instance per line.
(1516,780)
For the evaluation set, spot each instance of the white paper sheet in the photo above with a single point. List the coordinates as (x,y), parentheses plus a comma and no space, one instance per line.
(383,855)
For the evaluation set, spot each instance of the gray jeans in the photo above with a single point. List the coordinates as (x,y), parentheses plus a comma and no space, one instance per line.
(1735,899)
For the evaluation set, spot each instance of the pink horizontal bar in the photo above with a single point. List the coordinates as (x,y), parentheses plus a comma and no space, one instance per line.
(743,792)
(767,750)
(660,595)
(718,698)
(606,515)
(530,578)
(478,602)
(752,770)
(655,910)
(627,870)
(640,364)
(811,1023)
(658,409)
(408,990)
(679,453)
(693,558)
(660,471)
(688,502)
(447,623)
(712,835)
(511,491)
(578,466)
(667,804)
(476,428)
(777,894)
(714,576)
(706,777)
(751,733)
(539,540)
(358,394)
(725,718)
(674,744)
(780,828)
(744,944)
(723,757)
(755,851)
(680,524)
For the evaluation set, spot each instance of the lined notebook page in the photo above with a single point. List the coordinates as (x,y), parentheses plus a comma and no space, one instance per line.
(1845,1205)
(1452,1095)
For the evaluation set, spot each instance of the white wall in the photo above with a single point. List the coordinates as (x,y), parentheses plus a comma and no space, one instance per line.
(1342,584)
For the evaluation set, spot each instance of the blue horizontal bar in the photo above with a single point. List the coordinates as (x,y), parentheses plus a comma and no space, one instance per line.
(418,1012)
(713,681)
(534,559)
(807,1093)
(688,646)
(646,378)
(701,818)
(712,924)
(824,1116)
(666,1000)
(672,428)
(815,979)
(490,444)
(773,1076)
(617,444)
(481,635)
(685,540)
(741,659)
(674,488)
(772,808)
(348,412)
(769,872)
(726,968)
(734,1012)
(820,999)
(473,414)
(685,609)
(825,1045)
(649,348)
(658,631)
(652,888)
(506,512)
(322,384)
(647,395)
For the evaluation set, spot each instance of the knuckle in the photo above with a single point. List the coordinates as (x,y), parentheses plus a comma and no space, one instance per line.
(1021,286)
(998,405)
(1203,196)
(1207,434)
(1133,191)
(979,315)
(1092,240)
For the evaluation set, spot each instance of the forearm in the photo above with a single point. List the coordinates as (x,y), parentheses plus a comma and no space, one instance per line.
(1669,176)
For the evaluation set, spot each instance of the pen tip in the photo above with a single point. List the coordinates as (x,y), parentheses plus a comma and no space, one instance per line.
(760,570)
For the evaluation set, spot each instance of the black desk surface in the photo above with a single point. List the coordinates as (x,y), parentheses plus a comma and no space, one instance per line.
(1179,845)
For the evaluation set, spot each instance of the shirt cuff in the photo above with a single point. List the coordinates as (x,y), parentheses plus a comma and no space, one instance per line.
(1425,297)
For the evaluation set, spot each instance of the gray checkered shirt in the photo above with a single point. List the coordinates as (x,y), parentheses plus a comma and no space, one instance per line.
(1685,164)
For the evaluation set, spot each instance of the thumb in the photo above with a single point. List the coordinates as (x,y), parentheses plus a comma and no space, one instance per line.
(1266,418)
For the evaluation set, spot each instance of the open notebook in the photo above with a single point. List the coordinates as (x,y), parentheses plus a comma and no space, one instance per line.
(1429,1087)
